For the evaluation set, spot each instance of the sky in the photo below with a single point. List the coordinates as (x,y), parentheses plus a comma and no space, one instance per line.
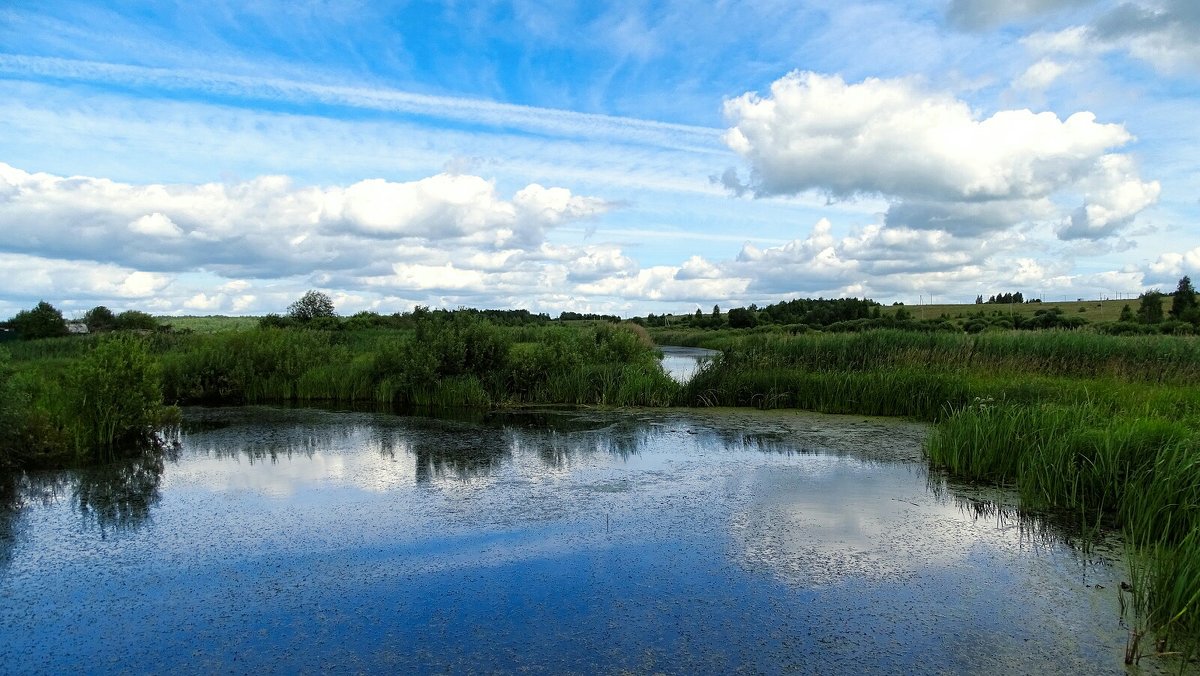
(623,158)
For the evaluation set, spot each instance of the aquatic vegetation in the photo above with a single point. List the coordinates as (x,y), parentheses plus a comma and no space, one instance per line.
(445,361)
(104,404)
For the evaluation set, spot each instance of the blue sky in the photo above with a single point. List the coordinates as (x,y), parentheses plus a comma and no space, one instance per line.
(200,158)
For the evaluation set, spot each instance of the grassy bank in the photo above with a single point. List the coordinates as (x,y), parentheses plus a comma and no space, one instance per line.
(68,401)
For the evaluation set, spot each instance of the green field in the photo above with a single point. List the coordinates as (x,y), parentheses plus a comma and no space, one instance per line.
(1092,310)
(209,323)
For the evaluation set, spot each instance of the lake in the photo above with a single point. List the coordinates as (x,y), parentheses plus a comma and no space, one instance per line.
(286,540)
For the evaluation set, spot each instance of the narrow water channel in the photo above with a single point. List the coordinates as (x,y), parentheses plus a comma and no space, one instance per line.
(681,363)
(287,540)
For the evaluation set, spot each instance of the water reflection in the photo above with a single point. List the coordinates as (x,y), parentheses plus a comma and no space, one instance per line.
(120,496)
(681,363)
(458,455)
(114,497)
(287,449)
(559,541)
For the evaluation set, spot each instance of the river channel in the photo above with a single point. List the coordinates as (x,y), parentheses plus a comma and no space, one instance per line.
(286,540)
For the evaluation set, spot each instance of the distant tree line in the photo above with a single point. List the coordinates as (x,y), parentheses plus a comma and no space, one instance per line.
(590,316)
(46,321)
(1005,299)
(315,310)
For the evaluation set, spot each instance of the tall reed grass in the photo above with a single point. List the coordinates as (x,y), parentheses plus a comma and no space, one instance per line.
(1136,470)
(458,361)
(1150,359)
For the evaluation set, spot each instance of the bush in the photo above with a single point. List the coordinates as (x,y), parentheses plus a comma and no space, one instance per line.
(100,319)
(135,320)
(116,396)
(741,318)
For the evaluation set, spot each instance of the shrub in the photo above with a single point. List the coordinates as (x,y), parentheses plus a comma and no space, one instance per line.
(116,397)
(135,320)
(100,319)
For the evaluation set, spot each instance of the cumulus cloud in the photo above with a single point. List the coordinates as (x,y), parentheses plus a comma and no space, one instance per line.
(662,283)
(940,164)
(1169,267)
(1114,197)
(29,276)
(155,225)
(1160,32)
(269,227)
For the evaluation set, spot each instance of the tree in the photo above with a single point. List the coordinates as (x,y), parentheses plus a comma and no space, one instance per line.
(312,304)
(1183,305)
(99,319)
(43,321)
(1150,311)
(716,311)
(741,318)
(1126,314)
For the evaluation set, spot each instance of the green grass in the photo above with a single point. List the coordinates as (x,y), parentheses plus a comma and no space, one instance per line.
(209,323)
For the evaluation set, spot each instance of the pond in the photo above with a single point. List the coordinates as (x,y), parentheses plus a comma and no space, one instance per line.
(285,540)
(681,363)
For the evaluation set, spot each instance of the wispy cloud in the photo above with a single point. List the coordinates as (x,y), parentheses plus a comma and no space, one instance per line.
(558,123)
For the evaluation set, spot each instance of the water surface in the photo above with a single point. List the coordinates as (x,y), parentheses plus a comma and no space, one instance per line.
(283,540)
(681,363)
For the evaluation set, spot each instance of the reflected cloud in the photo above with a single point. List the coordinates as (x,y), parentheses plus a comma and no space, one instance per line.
(838,519)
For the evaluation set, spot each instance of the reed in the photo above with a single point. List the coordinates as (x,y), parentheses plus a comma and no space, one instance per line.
(1151,359)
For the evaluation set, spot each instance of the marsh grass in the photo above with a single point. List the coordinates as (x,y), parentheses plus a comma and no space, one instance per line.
(1136,471)
(1077,354)
(104,404)
(457,362)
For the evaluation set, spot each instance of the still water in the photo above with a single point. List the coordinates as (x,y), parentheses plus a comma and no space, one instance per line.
(681,363)
(286,540)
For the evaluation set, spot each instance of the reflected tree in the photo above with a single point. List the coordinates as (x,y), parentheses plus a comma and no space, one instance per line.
(120,496)
(461,456)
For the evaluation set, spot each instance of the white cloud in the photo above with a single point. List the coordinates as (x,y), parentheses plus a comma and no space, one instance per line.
(464,110)
(1169,267)
(28,276)
(1040,75)
(662,283)
(269,227)
(940,164)
(1114,196)
(155,225)
(1160,32)
(600,262)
